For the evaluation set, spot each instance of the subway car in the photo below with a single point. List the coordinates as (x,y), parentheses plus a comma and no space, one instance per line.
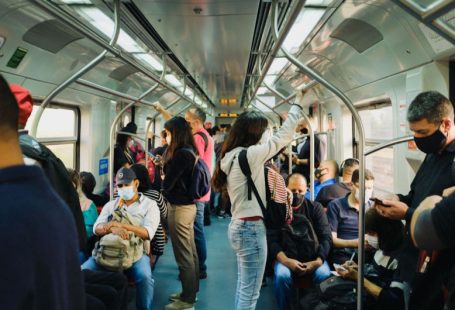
(94,67)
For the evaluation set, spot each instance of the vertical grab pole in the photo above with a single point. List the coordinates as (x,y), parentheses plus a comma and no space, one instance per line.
(311,132)
(310,72)
(111,138)
(78,74)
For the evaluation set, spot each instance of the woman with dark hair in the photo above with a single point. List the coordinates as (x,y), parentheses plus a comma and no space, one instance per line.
(179,160)
(247,233)
(158,241)
(122,156)
(88,184)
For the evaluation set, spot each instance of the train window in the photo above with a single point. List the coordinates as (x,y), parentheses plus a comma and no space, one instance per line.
(378,124)
(58,129)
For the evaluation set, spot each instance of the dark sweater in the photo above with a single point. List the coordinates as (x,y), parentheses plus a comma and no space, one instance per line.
(178,172)
(40,264)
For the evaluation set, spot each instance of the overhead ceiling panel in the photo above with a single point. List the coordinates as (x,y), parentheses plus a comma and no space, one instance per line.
(212,38)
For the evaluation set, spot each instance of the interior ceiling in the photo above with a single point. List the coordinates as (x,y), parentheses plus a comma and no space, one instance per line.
(212,38)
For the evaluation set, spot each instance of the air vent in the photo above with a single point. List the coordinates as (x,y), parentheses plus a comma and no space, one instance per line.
(122,72)
(51,35)
(358,34)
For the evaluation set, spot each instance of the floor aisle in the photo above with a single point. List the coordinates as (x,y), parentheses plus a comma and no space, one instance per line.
(217,292)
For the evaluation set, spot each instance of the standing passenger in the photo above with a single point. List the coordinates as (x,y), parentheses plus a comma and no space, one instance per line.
(247,233)
(36,273)
(179,161)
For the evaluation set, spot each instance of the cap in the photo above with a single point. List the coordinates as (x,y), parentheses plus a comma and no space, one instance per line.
(125,176)
(24,101)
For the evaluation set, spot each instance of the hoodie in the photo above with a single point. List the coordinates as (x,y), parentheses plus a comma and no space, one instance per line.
(257,155)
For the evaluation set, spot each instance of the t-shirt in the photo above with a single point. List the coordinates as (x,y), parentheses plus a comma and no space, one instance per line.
(331,192)
(343,219)
(318,186)
(206,152)
(40,262)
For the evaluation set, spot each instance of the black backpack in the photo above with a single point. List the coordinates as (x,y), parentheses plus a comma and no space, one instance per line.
(275,214)
(200,180)
(299,239)
(337,293)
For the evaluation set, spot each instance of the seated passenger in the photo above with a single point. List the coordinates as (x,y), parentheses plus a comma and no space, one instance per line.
(380,281)
(339,189)
(87,206)
(88,184)
(40,266)
(325,175)
(145,212)
(145,188)
(293,257)
(343,216)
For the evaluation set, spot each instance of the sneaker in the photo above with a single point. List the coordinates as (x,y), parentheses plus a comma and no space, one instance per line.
(176,296)
(179,305)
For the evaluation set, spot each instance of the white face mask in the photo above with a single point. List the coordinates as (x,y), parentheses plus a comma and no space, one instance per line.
(168,140)
(372,241)
(265,137)
(368,194)
(126,193)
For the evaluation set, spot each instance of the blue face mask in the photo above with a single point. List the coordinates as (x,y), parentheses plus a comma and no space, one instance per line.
(126,193)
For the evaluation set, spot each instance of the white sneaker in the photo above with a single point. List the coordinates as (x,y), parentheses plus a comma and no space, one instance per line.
(176,296)
(179,305)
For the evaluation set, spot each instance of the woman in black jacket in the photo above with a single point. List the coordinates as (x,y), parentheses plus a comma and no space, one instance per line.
(179,160)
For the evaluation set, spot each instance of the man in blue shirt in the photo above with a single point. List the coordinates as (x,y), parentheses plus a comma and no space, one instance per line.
(36,273)
(325,174)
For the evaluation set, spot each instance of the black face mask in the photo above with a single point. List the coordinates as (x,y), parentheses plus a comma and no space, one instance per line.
(431,144)
(297,199)
(304,131)
(318,172)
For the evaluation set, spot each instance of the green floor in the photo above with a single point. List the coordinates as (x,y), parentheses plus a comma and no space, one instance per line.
(217,292)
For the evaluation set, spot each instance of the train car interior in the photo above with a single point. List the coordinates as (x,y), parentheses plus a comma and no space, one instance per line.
(94,66)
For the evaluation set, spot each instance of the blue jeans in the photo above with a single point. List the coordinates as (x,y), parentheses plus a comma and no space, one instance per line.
(142,276)
(199,236)
(248,239)
(282,282)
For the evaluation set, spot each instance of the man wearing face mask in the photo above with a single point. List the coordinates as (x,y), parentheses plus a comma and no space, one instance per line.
(288,262)
(302,159)
(325,175)
(145,212)
(343,216)
(431,118)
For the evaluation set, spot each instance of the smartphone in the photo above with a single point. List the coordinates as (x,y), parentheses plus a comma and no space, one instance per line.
(379,202)
(151,155)
(339,267)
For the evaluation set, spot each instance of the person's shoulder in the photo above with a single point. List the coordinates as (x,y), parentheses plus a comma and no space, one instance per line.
(147,202)
(336,203)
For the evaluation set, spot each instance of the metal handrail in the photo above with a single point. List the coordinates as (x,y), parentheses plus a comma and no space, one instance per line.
(111,138)
(79,73)
(386,144)
(275,92)
(76,25)
(295,11)
(307,87)
(308,71)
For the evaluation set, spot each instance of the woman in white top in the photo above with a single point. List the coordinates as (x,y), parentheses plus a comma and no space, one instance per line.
(247,233)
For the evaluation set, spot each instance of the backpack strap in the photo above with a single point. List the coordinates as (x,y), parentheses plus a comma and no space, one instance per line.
(245,167)
(204,137)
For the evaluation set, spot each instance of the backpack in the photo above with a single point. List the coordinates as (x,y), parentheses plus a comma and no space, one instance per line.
(200,178)
(114,253)
(275,214)
(337,293)
(299,239)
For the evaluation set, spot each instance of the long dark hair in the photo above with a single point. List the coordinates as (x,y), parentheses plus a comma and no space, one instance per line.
(246,131)
(122,139)
(181,136)
(143,176)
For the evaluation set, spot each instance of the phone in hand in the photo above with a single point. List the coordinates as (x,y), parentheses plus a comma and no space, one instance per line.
(378,202)
(339,267)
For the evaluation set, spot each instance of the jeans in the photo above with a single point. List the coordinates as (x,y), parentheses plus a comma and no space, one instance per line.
(199,236)
(248,239)
(142,276)
(282,282)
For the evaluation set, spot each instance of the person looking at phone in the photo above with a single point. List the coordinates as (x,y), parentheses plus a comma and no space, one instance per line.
(289,265)
(431,118)
(343,216)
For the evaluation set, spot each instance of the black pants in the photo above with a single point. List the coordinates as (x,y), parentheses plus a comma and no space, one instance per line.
(108,289)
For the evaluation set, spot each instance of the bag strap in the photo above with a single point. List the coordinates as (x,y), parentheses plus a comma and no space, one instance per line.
(204,137)
(243,162)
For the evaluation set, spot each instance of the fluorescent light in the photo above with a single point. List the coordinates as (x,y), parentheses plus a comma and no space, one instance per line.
(173,80)
(306,21)
(106,25)
(317,2)
(204,105)
(149,60)
(76,1)
(277,65)
(189,92)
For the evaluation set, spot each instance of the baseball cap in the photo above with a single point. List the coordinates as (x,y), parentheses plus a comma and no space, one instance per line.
(125,176)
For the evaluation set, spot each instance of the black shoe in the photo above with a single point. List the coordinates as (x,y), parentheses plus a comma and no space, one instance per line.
(202,274)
